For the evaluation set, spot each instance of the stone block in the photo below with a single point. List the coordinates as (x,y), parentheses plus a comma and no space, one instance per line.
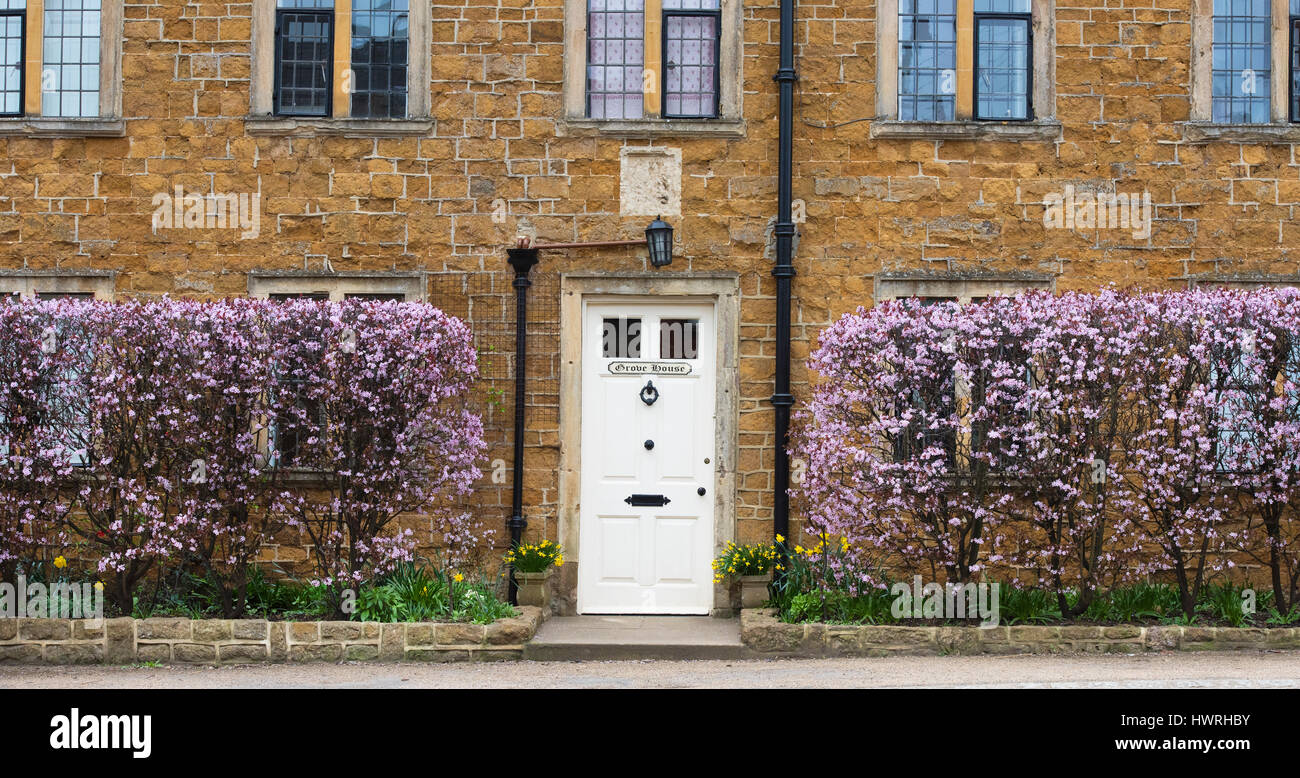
(212,631)
(194,653)
(241,653)
(392,641)
(164,629)
(249,629)
(153,652)
(324,652)
(361,652)
(87,629)
(508,632)
(459,634)
(304,632)
(769,636)
(44,629)
(20,654)
(278,641)
(421,634)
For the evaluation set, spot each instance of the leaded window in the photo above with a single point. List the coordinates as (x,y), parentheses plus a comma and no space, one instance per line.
(1241,61)
(1003,59)
(380,50)
(304,57)
(927,60)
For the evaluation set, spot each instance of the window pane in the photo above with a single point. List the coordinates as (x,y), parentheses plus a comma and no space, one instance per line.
(304,65)
(615,58)
(927,60)
(691,65)
(622,338)
(380,34)
(11,64)
(70,47)
(679,338)
(1241,67)
(1295,64)
(1002,68)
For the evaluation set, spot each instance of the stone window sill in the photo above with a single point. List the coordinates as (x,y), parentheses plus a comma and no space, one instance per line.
(1207,132)
(1041,129)
(55,127)
(349,128)
(651,128)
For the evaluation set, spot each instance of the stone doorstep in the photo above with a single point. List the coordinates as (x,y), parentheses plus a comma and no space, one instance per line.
(763,633)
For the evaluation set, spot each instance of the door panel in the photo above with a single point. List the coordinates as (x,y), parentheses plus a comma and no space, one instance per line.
(647,558)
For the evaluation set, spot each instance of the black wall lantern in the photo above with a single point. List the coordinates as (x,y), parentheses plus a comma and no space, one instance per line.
(659,240)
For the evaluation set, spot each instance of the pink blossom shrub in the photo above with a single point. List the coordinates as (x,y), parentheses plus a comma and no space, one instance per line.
(1087,439)
(369,399)
(160,431)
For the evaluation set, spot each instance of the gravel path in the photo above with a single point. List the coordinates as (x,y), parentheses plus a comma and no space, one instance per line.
(1269,669)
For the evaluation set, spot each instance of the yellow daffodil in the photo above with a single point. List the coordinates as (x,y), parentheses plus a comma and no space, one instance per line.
(60,562)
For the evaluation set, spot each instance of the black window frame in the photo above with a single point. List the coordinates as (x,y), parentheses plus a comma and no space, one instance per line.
(22,63)
(716,15)
(405,90)
(1028,20)
(1294,60)
(329,18)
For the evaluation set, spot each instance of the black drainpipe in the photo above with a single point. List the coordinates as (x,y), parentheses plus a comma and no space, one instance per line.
(522,260)
(784,270)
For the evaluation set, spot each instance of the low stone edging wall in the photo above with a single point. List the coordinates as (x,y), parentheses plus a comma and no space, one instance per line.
(242,641)
(762,632)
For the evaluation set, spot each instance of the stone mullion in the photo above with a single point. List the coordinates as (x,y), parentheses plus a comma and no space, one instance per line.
(965,59)
(1281,56)
(652,85)
(33,60)
(342,59)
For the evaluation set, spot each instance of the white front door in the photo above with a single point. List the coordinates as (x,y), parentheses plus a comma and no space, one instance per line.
(646,509)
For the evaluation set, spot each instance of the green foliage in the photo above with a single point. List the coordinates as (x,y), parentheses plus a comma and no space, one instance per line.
(1134,603)
(267,596)
(1223,602)
(1277,618)
(1027,606)
(799,598)
(417,593)
(839,607)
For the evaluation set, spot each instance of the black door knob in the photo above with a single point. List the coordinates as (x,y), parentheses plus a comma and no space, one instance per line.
(649,444)
(700,491)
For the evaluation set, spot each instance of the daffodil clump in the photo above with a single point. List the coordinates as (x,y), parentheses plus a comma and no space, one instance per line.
(535,557)
(745,559)
(823,542)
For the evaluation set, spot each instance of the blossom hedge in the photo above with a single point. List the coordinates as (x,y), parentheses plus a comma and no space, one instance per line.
(1089,439)
(156,431)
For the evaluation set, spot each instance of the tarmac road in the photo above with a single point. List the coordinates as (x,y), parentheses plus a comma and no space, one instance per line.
(1238,669)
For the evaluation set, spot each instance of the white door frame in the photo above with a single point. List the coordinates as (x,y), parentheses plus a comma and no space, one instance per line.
(723,290)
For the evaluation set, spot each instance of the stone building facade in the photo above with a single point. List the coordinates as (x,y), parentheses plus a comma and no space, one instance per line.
(504,130)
